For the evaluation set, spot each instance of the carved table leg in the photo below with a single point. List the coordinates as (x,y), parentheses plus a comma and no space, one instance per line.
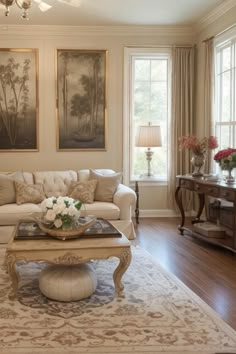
(200,208)
(125,259)
(178,199)
(11,266)
(137,202)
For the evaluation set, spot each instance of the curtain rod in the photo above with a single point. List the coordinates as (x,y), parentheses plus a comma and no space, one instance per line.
(220,33)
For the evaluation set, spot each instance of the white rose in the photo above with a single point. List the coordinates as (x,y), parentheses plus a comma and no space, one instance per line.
(65,211)
(49,202)
(58,208)
(72,211)
(50,215)
(60,200)
(58,223)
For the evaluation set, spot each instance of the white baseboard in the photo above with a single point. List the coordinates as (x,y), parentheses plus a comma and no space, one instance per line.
(161,213)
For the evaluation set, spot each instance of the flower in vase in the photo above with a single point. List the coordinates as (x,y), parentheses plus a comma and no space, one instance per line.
(61,212)
(226,158)
(196,145)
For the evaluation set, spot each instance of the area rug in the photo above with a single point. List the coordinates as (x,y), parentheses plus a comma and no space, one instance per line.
(155,314)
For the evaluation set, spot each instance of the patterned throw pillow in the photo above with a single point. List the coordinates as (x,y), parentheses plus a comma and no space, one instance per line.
(106,186)
(29,193)
(7,187)
(84,191)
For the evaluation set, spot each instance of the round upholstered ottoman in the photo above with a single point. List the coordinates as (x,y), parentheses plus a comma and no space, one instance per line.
(68,282)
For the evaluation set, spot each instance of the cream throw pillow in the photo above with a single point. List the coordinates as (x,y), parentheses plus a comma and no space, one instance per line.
(84,191)
(106,186)
(29,193)
(7,187)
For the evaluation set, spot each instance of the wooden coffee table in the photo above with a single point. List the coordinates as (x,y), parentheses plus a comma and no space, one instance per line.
(69,252)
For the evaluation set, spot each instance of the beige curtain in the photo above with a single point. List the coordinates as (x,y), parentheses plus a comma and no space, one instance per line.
(208,96)
(182,118)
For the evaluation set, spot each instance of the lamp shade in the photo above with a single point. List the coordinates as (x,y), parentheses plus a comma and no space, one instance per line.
(148,136)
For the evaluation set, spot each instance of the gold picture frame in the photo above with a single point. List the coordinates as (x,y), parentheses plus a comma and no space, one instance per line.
(81,88)
(18,100)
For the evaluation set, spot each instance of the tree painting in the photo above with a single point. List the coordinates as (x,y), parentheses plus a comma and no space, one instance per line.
(18,103)
(81,94)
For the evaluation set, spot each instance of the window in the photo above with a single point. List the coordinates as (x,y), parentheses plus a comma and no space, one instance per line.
(225,90)
(146,101)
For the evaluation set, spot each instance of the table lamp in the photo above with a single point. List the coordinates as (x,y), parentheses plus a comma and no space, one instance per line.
(148,136)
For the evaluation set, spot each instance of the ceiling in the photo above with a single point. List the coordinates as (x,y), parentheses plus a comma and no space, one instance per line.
(114,12)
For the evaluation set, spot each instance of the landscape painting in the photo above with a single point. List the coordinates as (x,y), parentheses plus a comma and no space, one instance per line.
(18,100)
(81,99)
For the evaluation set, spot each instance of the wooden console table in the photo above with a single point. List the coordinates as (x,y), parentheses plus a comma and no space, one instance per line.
(206,188)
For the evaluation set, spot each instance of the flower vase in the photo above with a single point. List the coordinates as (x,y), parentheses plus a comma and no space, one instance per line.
(67,226)
(229,179)
(198,161)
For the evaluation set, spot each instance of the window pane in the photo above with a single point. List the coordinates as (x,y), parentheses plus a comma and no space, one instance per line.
(158,109)
(158,70)
(223,134)
(141,97)
(142,70)
(226,95)
(226,61)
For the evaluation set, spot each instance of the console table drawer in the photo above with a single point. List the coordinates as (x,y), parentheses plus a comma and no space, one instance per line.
(227,194)
(199,188)
(208,190)
(212,191)
(186,184)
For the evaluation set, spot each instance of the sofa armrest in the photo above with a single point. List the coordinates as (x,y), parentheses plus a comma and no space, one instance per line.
(125,199)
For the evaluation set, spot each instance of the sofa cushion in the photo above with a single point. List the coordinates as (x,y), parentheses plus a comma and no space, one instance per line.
(28,177)
(83,175)
(10,214)
(106,186)
(7,187)
(84,191)
(105,210)
(56,183)
(29,193)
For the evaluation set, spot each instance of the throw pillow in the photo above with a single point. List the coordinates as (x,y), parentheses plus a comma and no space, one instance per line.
(7,187)
(84,191)
(29,193)
(106,185)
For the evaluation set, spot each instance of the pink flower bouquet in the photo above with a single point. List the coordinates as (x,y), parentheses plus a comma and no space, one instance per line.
(198,146)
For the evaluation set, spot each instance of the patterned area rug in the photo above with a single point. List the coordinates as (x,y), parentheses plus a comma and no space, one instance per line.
(156,314)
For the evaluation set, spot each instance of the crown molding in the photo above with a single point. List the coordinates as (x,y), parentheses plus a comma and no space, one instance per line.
(212,16)
(36,30)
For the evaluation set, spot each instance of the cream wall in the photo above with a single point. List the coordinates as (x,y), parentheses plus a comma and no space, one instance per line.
(114,39)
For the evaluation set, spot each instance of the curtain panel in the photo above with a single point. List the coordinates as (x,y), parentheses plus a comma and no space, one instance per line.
(182,121)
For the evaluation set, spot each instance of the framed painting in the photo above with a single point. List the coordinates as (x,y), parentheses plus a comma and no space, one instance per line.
(81,99)
(18,100)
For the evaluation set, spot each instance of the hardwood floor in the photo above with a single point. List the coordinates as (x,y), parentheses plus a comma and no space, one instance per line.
(207,270)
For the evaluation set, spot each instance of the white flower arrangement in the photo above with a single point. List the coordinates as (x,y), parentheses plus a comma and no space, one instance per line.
(61,212)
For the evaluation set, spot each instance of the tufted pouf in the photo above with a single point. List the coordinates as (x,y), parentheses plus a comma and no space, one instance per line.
(68,282)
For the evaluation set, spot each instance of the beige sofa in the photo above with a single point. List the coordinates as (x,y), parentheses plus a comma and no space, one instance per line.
(118,210)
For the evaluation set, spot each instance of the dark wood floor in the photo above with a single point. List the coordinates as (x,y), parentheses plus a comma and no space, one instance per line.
(207,270)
